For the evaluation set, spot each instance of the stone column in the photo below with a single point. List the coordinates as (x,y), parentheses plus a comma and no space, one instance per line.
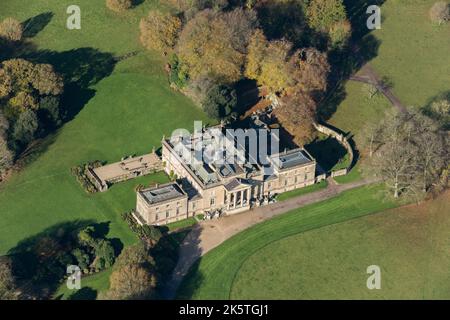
(240,197)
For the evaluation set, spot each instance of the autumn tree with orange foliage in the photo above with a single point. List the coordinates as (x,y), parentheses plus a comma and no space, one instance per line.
(133,277)
(295,78)
(215,44)
(297,115)
(159,31)
(267,62)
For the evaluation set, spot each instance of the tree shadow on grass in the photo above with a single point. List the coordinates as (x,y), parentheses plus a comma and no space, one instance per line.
(135,3)
(349,135)
(329,104)
(85,293)
(328,152)
(172,262)
(345,62)
(34,25)
(40,261)
(81,69)
(191,283)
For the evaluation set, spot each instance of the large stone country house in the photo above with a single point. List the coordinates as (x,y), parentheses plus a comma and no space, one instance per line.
(223,186)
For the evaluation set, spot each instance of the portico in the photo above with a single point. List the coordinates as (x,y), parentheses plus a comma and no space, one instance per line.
(237,196)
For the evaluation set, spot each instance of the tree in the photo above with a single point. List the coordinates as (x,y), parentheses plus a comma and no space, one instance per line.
(339,34)
(104,254)
(11,29)
(282,20)
(440,12)
(310,69)
(214,44)
(119,5)
(409,153)
(256,48)
(8,287)
(131,282)
(197,89)
(6,155)
(323,14)
(45,80)
(220,101)
(86,236)
(22,83)
(82,258)
(136,254)
(159,31)
(267,62)
(433,155)
(133,276)
(25,128)
(297,115)
(329,17)
(441,107)
(49,111)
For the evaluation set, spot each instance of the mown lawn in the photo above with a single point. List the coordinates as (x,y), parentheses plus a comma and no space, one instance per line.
(413,53)
(354,175)
(182,224)
(129,112)
(409,244)
(298,192)
(357,110)
(213,276)
(91,286)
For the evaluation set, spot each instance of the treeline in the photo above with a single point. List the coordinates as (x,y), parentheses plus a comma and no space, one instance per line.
(29,97)
(284,46)
(409,152)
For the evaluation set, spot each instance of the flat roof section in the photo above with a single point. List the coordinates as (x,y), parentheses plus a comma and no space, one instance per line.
(115,170)
(163,193)
(229,169)
(291,159)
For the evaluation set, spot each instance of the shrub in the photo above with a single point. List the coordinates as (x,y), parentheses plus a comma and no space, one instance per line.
(148,234)
(11,29)
(440,12)
(178,75)
(82,258)
(119,5)
(80,172)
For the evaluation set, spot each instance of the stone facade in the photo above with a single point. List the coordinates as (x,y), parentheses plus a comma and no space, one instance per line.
(207,187)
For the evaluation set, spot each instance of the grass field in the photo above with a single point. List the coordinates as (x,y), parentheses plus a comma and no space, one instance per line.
(409,244)
(298,192)
(413,53)
(91,286)
(182,224)
(356,110)
(129,112)
(213,276)
(354,175)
